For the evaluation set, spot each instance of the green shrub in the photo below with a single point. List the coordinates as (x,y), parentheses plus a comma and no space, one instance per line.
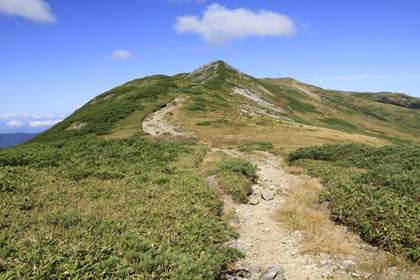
(205,123)
(196,106)
(109,209)
(237,176)
(249,147)
(381,200)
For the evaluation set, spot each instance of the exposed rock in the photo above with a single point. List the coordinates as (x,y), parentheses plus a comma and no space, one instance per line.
(349,263)
(76,125)
(253,201)
(274,272)
(266,195)
(103,98)
(258,99)
(304,89)
(236,274)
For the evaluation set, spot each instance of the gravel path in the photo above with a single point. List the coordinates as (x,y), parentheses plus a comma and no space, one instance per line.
(264,241)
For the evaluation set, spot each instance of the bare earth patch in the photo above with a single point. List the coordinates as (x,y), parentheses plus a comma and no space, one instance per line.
(157,125)
(76,125)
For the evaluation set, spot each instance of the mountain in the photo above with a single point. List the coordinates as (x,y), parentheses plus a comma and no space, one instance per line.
(203,175)
(15,139)
(259,109)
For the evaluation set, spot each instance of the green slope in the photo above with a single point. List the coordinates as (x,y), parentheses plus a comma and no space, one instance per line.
(96,197)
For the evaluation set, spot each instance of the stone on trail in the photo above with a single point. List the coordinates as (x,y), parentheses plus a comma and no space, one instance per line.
(266,195)
(272,273)
(253,201)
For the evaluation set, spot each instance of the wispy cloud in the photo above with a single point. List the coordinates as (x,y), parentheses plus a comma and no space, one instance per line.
(120,54)
(219,24)
(14,124)
(35,10)
(43,123)
(7,115)
(37,116)
(369,77)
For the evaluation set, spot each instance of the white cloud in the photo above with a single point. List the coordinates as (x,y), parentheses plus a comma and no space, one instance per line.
(49,115)
(35,10)
(220,24)
(7,115)
(37,116)
(14,124)
(43,123)
(121,54)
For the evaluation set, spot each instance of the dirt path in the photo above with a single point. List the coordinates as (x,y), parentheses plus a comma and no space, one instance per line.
(265,242)
(155,124)
(262,239)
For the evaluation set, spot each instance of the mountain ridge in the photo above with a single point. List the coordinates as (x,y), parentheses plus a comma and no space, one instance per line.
(217,85)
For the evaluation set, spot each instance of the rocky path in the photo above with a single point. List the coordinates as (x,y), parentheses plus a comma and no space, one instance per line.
(264,241)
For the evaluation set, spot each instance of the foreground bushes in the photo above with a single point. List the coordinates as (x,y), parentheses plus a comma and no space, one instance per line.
(374,191)
(116,209)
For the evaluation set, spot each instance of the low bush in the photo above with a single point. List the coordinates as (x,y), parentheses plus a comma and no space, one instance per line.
(205,123)
(374,191)
(237,176)
(249,147)
(109,209)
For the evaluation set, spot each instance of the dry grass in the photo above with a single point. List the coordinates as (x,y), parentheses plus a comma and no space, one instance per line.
(285,136)
(384,264)
(296,170)
(302,212)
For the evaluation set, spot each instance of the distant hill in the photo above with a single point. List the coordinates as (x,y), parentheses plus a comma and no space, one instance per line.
(15,139)
(398,99)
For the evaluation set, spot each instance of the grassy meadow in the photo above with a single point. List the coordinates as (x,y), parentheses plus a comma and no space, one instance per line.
(94,208)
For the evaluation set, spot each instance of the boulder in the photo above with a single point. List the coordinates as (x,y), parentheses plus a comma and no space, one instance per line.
(272,273)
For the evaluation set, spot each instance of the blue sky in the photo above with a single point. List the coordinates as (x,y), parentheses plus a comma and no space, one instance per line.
(56,55)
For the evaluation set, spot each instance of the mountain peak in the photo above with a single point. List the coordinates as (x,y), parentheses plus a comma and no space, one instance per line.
(209,70)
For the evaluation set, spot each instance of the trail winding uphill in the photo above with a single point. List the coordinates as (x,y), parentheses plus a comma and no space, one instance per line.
(155,124)
(271,250)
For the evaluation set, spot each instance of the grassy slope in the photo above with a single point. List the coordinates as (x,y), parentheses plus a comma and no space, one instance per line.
(120,186)
(353,114)
(91,208)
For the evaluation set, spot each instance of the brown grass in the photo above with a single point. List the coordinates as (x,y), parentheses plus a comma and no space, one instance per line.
(381,266)
(285,136)
(302,212)
(296,170)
